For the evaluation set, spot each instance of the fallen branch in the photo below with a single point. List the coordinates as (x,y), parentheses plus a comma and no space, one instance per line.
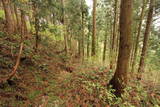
(17,62)
(16,65)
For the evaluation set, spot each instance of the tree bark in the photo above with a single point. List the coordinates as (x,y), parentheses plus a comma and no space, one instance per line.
(23,24)
(138,36)
(64,22)
(146,37)
(36,25)
(88,40)
(113,57)
(120,79)
(12,13)
(94,29)
(82,32)
(17,19)
(88,45)
(79,48)
(37,32)
(8,14)
(105,47)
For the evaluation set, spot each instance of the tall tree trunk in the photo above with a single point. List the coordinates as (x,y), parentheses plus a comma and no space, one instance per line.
(30,19)
(17,19)
(82,34)
(146,37)
(37,32)
(36,25)
(114,35)
(8,14)
(117,35)
(120,79)
(65,40)
(88,40)
(135,32)
(117,45)
(112,61)
(110,44)
(23,24)
(64,22)
(79,48)
(70,41)
(138,36)
(105,47)
(13,15)
(94,29)
(88,45)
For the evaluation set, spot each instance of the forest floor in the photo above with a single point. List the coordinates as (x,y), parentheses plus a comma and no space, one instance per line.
(50,79)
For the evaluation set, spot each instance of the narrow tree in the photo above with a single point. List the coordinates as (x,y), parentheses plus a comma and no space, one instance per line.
(94,29)
(88,44)
(81,39)
(36,24)
(138,36)
(17,19)
(105,47)
(114,35)
(146,37)
(65,26)
(23,27)
(88,37)
(82,25)
(119,80)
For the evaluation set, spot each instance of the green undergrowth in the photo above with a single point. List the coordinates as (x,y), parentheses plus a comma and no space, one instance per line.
(45,74)
(89,88)
(29,85)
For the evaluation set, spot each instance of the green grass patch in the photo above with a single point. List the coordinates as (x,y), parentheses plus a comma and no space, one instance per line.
(2,14)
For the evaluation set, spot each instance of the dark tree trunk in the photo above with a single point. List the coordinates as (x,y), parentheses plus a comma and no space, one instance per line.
(94,29)
(36,25)
(146,37)
(120,79)
(138,36)
(82,33)
(64,22)
(37,32)
(88,45)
